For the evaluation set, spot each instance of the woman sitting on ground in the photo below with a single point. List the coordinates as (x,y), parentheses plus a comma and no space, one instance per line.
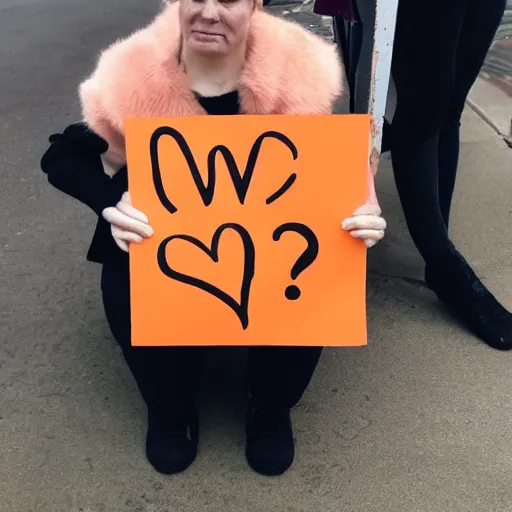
(197,57)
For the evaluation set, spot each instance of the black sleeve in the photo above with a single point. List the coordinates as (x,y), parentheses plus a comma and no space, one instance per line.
(73,165)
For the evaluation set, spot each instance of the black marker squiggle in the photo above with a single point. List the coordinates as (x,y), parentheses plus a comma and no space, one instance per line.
(241,182)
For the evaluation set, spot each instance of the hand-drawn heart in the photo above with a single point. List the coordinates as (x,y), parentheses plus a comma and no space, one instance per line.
(240,308)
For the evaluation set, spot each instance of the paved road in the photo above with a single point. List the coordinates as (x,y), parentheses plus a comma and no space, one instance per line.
(419,421)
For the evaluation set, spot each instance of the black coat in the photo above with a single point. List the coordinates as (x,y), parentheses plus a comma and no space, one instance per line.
(73,165)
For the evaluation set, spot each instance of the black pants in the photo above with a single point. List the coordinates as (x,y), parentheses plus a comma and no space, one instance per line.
(439,49)
(168,377)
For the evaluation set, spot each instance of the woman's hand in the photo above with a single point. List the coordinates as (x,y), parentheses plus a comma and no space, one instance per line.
(366,224)
(127,223)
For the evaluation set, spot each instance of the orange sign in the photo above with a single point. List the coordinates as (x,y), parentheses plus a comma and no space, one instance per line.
(248,247)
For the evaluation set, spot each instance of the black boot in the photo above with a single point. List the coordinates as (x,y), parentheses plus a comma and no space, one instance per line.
(453,281)
(269,440)
(171,442)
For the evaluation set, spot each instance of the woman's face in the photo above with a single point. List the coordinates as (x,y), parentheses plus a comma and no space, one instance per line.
(215,27)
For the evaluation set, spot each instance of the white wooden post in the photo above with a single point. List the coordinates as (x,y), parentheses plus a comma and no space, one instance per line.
(374,67)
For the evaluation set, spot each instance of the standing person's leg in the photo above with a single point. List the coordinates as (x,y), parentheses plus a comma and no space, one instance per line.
(167,378)
(479,28)
(424,63)
(277,379)
(452,278)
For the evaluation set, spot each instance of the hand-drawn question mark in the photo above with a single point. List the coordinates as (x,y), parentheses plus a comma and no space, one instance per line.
(293,292)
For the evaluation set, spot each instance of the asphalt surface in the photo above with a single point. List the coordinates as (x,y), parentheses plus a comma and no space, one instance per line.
(418,421)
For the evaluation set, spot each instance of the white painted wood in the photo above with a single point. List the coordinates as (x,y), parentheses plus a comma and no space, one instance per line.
(373,75)
(384,31)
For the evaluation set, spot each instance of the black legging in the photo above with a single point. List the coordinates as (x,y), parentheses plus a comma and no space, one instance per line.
(439,49)
(168,377)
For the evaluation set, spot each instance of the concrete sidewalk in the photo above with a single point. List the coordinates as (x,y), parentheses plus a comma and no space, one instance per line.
(418,421)
(491,95)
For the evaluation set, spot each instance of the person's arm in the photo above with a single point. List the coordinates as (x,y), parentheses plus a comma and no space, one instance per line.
(366,222)
(73,165)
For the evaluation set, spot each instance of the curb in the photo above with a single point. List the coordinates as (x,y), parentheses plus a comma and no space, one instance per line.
(493,106)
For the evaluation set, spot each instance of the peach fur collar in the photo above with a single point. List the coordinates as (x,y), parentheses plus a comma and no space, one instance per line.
(289,70)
